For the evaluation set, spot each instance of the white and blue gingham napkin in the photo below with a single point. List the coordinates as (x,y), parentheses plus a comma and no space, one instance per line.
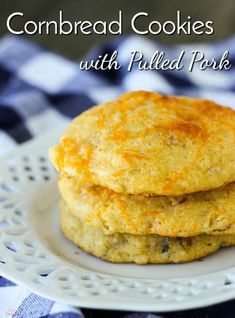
(39,90)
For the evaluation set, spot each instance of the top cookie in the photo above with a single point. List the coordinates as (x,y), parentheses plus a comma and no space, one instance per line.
(145,143)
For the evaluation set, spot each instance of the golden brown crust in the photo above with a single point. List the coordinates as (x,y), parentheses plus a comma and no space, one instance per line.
(211,212)
(123,248)
(147,143)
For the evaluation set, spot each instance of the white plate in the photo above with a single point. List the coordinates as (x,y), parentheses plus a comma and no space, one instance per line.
(33,252)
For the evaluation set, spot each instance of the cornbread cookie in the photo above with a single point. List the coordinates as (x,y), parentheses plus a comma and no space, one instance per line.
(122,248)
(211,212)
(147,143)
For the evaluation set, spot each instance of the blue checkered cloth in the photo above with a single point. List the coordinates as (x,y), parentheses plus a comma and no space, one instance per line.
(38,88)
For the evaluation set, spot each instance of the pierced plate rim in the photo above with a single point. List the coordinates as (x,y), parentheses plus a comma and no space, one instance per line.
(106,301)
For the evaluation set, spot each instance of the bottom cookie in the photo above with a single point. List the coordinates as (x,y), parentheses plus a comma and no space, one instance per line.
(127,248)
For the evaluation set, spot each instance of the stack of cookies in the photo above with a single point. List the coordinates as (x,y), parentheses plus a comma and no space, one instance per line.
(149,179)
